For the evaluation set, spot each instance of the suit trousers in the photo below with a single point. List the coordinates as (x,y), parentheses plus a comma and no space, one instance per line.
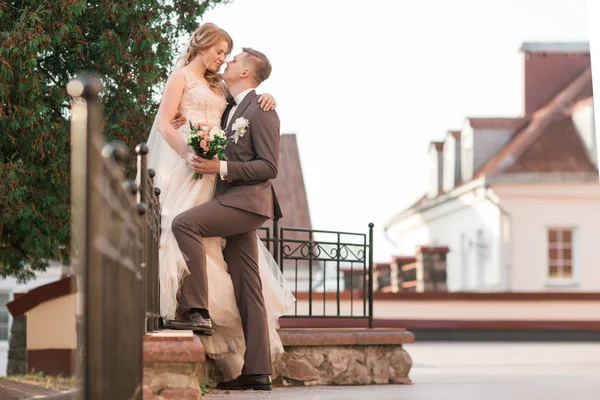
(238,227)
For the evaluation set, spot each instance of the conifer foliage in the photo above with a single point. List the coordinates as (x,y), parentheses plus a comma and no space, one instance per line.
(44,44)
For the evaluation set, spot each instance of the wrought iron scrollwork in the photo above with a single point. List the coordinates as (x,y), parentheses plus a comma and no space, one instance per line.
(323,252)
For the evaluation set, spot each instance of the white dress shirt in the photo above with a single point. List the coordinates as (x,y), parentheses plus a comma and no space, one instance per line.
(238,99)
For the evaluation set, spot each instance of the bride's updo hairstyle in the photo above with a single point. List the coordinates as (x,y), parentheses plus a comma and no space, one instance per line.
(206,36)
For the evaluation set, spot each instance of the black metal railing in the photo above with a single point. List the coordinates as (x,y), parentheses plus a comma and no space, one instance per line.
(115,230)
(149,207)
(314,263)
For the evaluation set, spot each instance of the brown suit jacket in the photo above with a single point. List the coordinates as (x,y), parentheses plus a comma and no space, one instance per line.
(252,162)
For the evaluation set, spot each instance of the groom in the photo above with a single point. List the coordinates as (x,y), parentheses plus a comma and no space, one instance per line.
(244,200)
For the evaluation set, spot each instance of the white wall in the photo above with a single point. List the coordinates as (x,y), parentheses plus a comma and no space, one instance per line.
(449,224)
(436,164)
(466,159)
(534,208)
(473,309)
(452,153)
(583,118)
(594,34)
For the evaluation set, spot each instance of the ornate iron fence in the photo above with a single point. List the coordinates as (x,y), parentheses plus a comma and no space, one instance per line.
(149,207)
(115,230)
(315,252)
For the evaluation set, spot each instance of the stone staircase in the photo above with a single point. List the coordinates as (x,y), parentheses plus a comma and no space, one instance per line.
(175,365)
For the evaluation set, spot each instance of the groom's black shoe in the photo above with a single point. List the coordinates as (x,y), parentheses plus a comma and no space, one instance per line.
(245,382)
(191,320)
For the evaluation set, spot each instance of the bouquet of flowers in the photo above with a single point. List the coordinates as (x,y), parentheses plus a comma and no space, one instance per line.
(207,141)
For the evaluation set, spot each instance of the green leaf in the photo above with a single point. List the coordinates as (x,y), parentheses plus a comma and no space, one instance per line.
(44,44)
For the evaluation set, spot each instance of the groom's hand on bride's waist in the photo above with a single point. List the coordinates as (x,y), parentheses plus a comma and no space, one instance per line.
(178,120)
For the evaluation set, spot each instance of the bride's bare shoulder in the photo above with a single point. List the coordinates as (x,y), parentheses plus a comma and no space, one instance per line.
(178,74)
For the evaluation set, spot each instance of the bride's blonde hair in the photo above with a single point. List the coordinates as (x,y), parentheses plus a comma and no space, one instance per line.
(206,36)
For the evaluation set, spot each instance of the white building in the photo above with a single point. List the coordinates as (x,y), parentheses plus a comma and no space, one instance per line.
(517,200)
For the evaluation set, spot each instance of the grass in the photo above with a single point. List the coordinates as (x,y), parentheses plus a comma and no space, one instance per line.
(204,387)
(49,382)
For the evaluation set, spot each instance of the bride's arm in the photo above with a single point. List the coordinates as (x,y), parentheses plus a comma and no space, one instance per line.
(267,101)
(166,113)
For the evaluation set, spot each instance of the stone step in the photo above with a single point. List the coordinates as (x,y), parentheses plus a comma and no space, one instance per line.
(343,356)
(172,362)
(175,364)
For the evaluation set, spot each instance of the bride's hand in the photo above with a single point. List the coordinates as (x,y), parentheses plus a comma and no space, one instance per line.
(192,159)
(178,120)
(202,165)
(267,102)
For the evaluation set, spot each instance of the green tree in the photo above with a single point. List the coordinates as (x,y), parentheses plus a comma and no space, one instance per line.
(44,44)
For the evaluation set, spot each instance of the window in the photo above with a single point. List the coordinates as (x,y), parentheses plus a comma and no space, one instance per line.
(4,298)
(560,253)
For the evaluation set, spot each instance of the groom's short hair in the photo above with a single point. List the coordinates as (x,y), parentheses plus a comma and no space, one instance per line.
(260,63)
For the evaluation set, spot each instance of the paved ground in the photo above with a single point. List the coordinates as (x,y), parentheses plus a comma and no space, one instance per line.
(474,371)
(10,390)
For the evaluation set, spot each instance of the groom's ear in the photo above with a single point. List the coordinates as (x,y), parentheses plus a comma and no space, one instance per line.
(245,74)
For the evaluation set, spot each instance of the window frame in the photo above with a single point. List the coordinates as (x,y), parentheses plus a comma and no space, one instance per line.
(561,280)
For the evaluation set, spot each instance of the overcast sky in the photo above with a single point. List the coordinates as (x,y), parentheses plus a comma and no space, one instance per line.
(366,86)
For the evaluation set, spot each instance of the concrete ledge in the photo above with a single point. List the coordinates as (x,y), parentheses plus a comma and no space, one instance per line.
(345,336)
(343,356)
(173,346)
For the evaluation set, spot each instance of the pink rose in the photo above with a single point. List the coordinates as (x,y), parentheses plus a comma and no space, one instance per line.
(197,125)
(203,144)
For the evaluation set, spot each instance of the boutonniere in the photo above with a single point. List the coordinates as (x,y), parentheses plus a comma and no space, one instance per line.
(239,127)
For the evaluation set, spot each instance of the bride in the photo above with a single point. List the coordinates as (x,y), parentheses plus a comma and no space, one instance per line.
(200,95)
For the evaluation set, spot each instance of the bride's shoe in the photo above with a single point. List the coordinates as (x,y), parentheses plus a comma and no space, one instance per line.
(191,320)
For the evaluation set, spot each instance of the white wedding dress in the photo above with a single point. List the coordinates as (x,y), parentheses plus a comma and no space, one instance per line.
(179,192)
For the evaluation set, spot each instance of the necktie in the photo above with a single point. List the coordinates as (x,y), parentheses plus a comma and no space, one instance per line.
(230,105)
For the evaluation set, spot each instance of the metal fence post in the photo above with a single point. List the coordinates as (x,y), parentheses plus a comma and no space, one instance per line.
(371,225)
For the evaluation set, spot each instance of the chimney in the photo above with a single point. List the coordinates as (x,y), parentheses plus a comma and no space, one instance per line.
(436,155)
(548,68)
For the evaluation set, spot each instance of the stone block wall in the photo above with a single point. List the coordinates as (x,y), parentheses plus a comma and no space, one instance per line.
(342,365)
(337,356)
(431,269)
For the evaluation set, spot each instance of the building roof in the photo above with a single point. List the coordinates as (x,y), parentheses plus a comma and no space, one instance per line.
(439,146)
(541,121)
(41,294)
(558,149)
(555,47)
(455,134)
(495,122)
(545,142)
(289,186)
(581,103)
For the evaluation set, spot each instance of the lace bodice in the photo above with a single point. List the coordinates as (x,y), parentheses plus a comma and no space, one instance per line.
(199,102)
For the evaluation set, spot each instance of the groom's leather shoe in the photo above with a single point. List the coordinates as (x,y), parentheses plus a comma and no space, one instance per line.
(245,382)
(191,320)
